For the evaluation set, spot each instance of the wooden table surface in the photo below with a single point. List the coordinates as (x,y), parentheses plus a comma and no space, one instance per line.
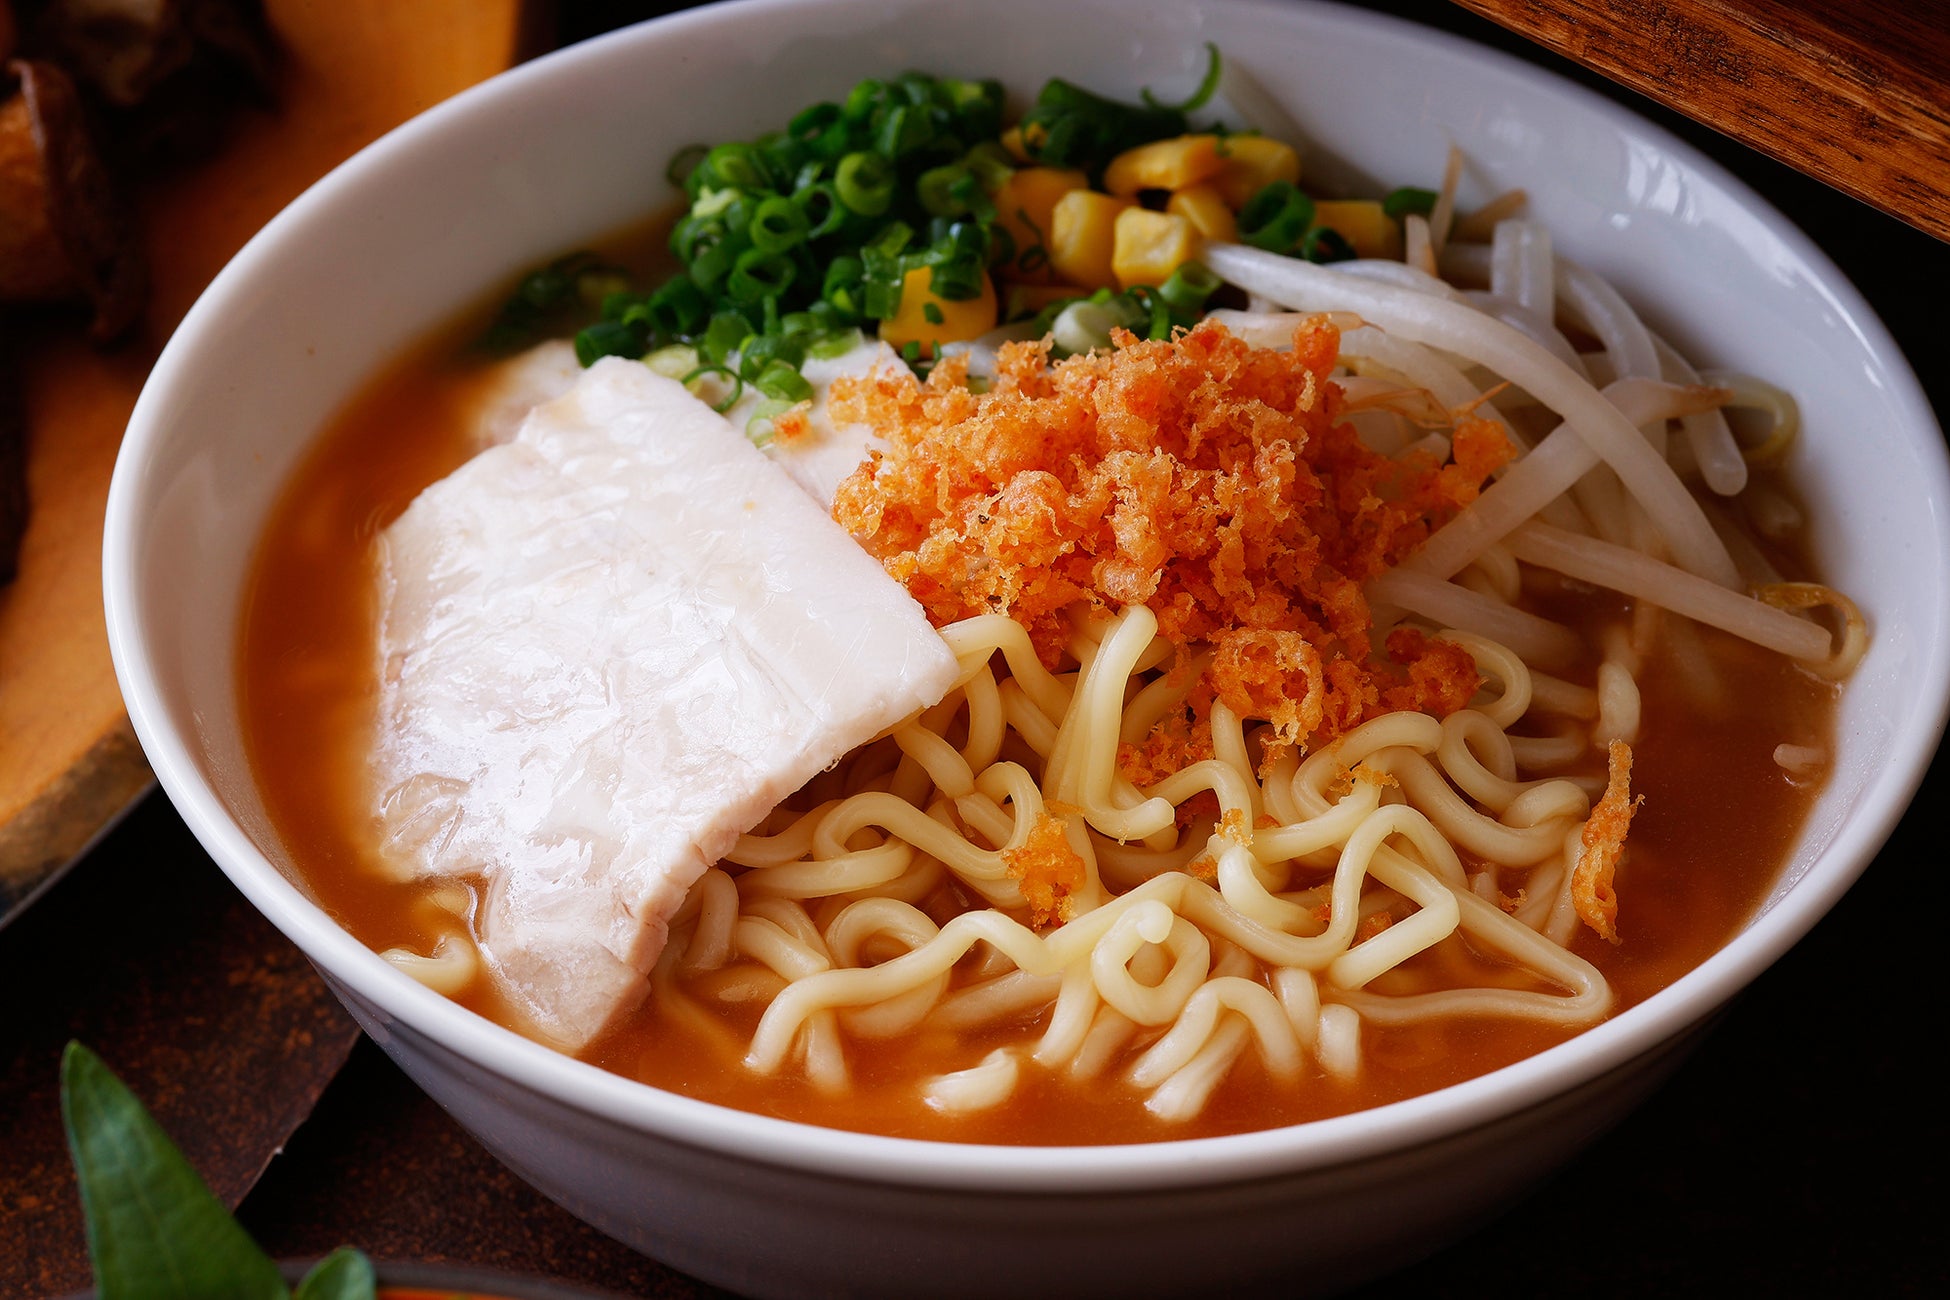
(1853,92)
(1800,1150)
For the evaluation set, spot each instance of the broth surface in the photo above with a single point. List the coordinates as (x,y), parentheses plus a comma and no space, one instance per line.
(1718,819)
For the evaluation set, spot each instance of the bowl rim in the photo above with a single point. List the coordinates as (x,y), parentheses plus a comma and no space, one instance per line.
(1136,1167)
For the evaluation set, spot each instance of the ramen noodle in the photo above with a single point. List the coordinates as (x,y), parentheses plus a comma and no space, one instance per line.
(1314,668)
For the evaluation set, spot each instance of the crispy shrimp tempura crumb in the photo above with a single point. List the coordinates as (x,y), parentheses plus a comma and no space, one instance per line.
(1048,869)
(1210,480)
(1592,895)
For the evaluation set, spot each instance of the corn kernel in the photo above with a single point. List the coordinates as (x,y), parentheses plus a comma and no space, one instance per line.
(1023,204)
(1082,237)
(1149,246)
(1252,162)
(1206,209)
(952,320)
(1362,223)
(1164,165)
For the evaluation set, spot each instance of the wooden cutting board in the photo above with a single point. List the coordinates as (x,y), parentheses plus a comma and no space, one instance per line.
(69,763)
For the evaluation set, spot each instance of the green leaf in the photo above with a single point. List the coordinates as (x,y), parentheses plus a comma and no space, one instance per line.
(154,1227)
(345,1274)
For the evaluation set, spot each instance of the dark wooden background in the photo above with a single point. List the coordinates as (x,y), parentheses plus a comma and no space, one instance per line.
(1800,1151)
(1853,92)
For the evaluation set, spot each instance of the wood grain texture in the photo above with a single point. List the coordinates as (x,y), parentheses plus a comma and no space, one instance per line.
(1854,94)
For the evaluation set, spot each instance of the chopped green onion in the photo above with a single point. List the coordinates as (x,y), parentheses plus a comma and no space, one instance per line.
(977,106)
(836,344)
(739,166)
(764,350)
(810,173)
(713,203)
(882,300)
(781,379)
(893,237)
(714,262)
(692,233)
(1085,130)
(552,285)
(672,362)
(862,100)
(1148,301)
(990,163)
(865,183)
(737,215)
(1399,203)
(904,131)
(609,338)
(1085,324)
(844,286)
(1326,244)
(725,335)
(973,196)
(758,274)
(826,322)
(958,280)
(961,241)
(937,190)
(1276,218)
(1207,87)
(678,308)
(1185,291)
(914,87)
(809,124)
(796,238)
(737,385)
(820,208)
(777,225)
(554,300)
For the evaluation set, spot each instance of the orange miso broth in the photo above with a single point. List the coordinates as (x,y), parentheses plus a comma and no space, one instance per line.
(1717,820)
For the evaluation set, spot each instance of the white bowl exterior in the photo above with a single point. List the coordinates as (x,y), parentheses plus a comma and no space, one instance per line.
(573,146)
(1305,1231)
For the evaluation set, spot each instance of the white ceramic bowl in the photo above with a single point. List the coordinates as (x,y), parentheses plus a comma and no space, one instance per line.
(566,148)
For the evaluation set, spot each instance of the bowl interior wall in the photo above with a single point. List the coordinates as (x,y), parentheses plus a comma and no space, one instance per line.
(574,146)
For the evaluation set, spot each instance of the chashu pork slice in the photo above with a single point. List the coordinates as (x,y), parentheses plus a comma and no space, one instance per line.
(817,459)
(608,648)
